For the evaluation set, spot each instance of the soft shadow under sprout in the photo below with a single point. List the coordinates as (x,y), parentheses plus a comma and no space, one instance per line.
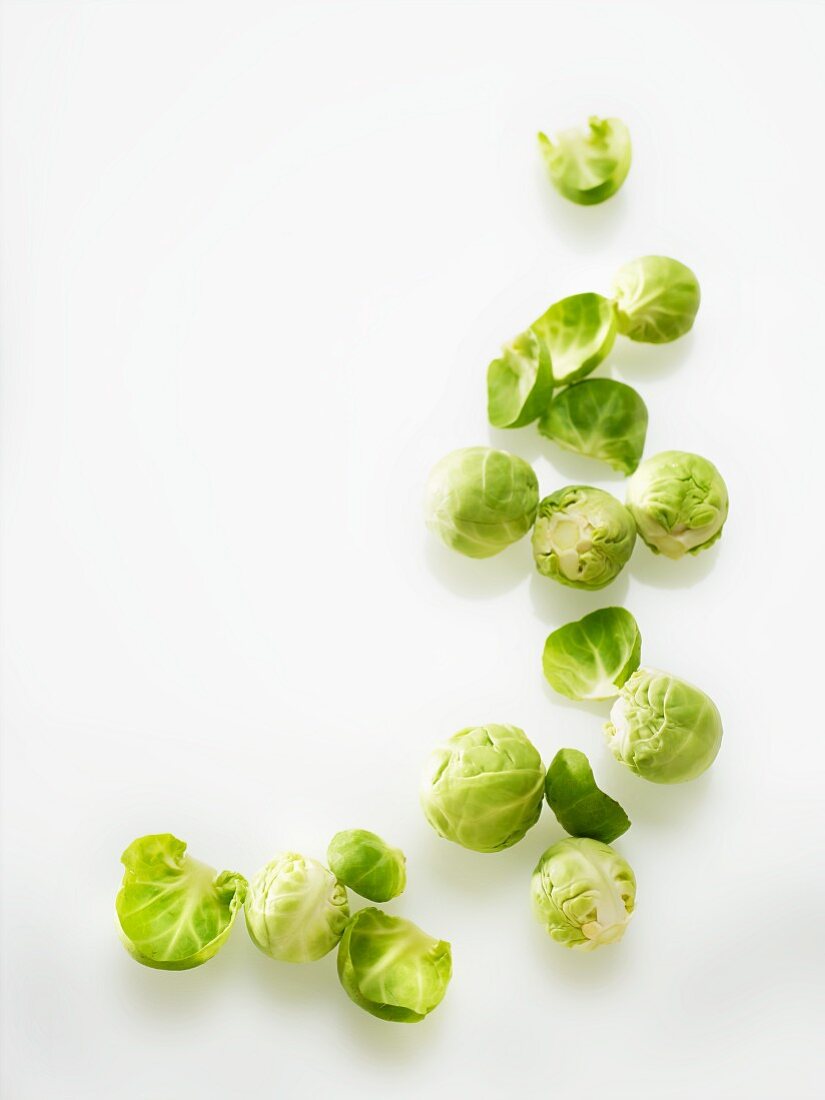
(662,572)
(556,604)
(478,578)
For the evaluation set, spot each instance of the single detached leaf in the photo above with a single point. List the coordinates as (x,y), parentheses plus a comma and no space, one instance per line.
(578,332)
(656,299)
(520,383)
(594,656)
(175,913)
(580,807)
(599,418)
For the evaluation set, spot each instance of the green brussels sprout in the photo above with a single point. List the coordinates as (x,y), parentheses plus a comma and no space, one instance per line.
(663,729)
(588,165)
(392,969)
(601,419)
(174,912)
(578,333)
(520,383)
(583,893)
(679,502)
(592,657)
(583,537)
(369,866)
(483,789)
(296,910)
(580,807)
(656,299)
(479,500)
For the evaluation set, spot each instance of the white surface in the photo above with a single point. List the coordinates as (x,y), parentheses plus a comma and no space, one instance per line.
(255,261)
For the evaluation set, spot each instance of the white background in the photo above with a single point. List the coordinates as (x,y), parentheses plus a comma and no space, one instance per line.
(255,260)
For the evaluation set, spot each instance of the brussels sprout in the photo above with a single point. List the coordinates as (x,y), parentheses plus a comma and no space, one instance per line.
(656,299)
(583,893)
(663,729)
(580,807)
(392,969)
(174,912)
(578,333)
(484,787)
(588,165)
(592,657)
(296,910)
(480,500)
(583,537)
(679,502)
(599,418)
(365,863)
(520,383)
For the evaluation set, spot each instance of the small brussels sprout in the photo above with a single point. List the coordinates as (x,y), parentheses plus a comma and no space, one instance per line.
(663,729)
(174,912)
(296,910)
(601,419)
(479,500)
(588,165)
(583,893)
(578,333)
(369,866)
(592,657)
(656,299)
(520,383)
(392,969)
(679,502)
(484,788)
(580,807)
(583,537)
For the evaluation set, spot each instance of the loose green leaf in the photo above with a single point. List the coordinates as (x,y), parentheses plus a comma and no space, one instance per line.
(599,418)
(580,807)
(592,657)
(588,165)
(175,913)
(656,299)
(520,383)
(578,333)
(367,864)
(392,969)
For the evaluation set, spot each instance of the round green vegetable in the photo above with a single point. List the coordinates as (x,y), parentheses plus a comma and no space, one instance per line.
(583,537)
(679,502)
(601,419)
(369,866)
(392,969)
(589,164)
(656,299)
(663,729)
(484,788)
(520,383)
(296,910)
(175,913)
(592,657)
(480,500)
(578,333)
(583,893)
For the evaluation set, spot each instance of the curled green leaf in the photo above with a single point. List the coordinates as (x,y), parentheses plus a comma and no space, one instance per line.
(578,332)
(592,657)
(581,808)
(175,913)
(599,418)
